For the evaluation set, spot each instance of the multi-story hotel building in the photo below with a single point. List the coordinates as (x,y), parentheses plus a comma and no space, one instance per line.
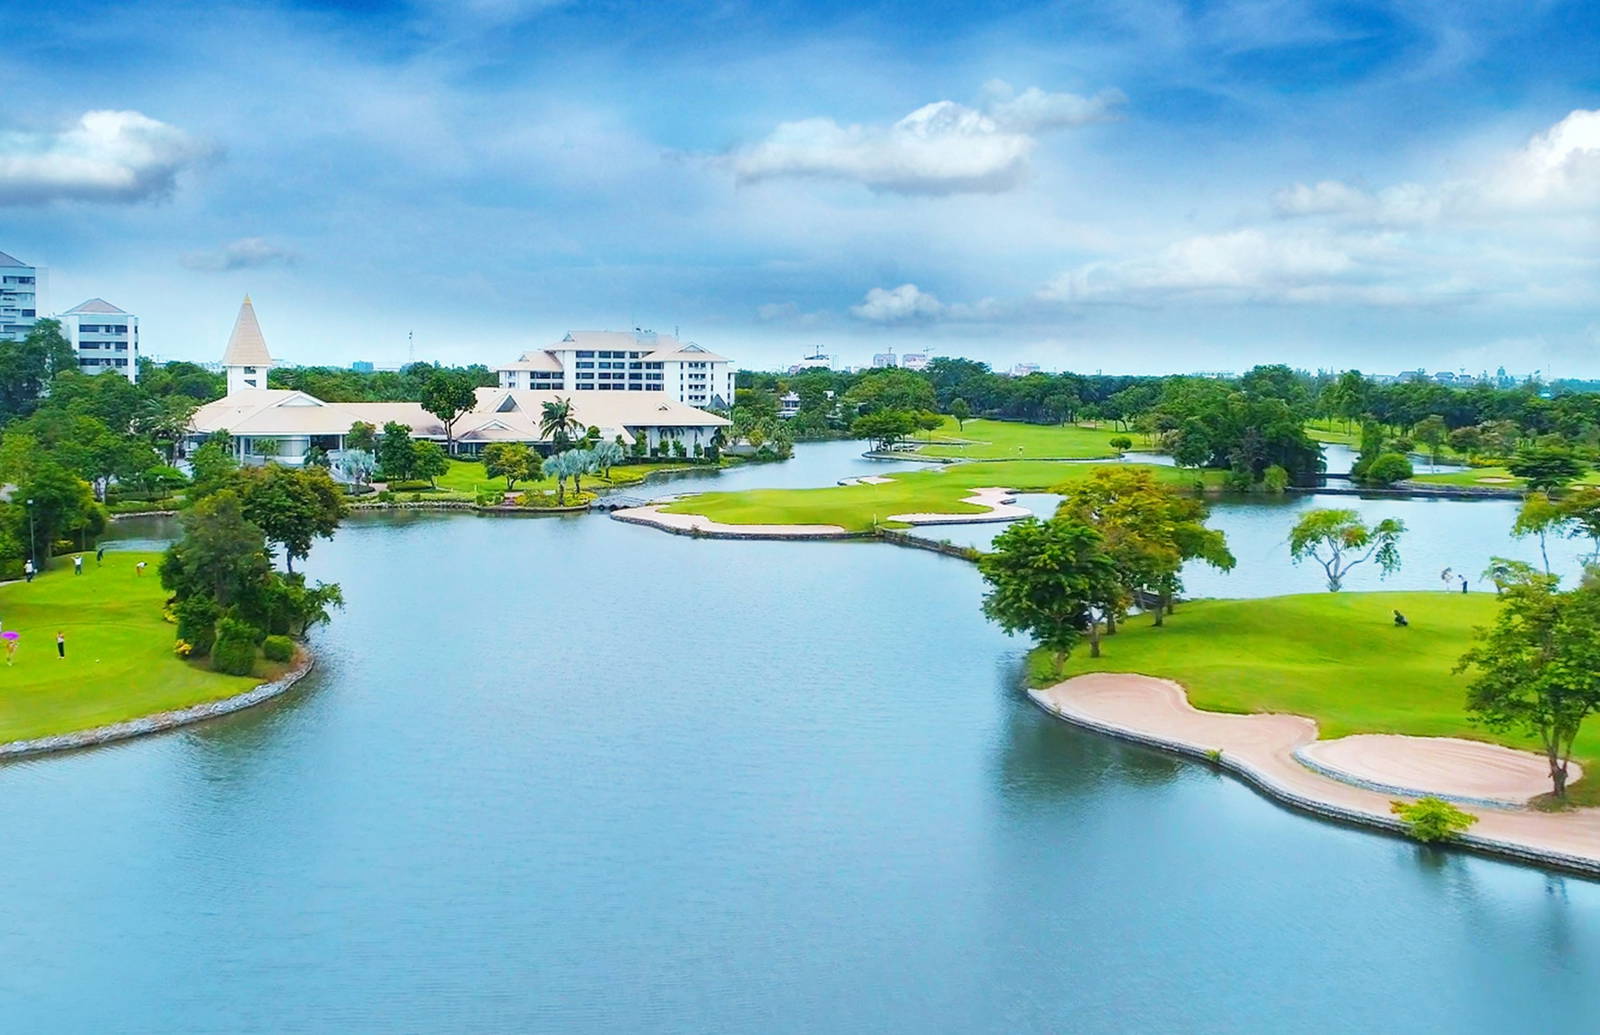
(626,361)
(19,294)
(104,337)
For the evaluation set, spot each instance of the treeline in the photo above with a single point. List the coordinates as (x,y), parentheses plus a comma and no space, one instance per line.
(337,384)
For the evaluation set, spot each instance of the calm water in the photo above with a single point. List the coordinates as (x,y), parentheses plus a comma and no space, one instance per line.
(571,774)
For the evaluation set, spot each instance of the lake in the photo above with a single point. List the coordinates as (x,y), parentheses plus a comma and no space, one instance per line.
(569,774)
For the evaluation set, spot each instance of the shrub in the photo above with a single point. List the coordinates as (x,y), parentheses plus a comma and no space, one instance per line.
(197,624)
(1432,819)
(235,649)
(1275,480)
(277,648)
(1214,756)
(1388,469)
(1121,442)
(10,568)
(385,496)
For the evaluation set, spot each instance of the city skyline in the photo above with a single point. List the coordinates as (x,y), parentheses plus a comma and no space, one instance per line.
(1145,190)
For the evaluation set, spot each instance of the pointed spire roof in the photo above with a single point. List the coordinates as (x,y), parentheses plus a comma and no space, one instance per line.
(246,346)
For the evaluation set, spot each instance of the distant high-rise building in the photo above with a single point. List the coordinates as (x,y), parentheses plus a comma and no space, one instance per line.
(19,296)
(246,359)
(104,337)
(884,360)
(1024,369)
(815,360)
(362,366)
(914,361)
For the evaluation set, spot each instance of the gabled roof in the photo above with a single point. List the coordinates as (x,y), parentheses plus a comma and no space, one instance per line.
(95,305)
(246,346)
(10,260)
(690,352)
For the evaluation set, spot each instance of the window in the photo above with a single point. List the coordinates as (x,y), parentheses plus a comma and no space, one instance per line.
(585,353)
(585,366)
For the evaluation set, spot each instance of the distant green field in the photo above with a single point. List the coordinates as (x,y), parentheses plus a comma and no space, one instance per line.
(1490,477)
(1013,440)
(119,662)
(466,478)
(934,490)
(1336,657)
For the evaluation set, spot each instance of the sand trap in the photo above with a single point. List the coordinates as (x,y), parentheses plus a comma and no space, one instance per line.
(866,479)
(652,515)
(996,499)
(1495,479)
(1437,765)
(1265,745)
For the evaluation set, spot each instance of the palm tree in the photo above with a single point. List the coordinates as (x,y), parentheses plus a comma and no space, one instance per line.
(581,462)
(606,456)
(559,467)
(557,423)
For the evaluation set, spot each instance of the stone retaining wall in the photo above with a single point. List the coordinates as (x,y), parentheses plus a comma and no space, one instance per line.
(160,720)
(1263,783)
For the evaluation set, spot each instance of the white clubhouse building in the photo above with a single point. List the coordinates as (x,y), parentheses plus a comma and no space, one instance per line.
(626,361)
(283,425)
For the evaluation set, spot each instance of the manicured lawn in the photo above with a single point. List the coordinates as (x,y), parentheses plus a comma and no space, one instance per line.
(466,479)
(119,662)
(935,490)
(1336,657)
(1010,440)
(1490,477)
(1334,431)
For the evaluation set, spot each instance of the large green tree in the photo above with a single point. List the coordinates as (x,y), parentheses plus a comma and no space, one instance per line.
(558,422)
(1053,580)
(1546,468)
(292,506)
(512,461)
(397,454)
(222,555)
(447,394)
(1339,540)
(27,367)
(1536,670)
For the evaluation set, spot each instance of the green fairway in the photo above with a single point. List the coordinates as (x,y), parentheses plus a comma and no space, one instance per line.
(1010,440)
(119,662)
(1336,657)
(1490,478)
(1334,431)
(935,490)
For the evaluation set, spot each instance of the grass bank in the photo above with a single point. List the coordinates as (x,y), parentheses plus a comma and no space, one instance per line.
(119,662)
(466,479)
(1335,657)
(935,490)
(1013,440)
(1490,478)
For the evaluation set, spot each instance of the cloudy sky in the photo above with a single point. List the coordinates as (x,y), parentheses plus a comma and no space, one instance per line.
(1136,186)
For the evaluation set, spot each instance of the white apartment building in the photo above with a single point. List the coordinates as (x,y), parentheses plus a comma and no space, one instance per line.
(914,361)
(625,361)
(104,337)
(19,294)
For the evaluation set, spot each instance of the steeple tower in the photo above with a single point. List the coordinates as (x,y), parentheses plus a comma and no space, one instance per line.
(246,358)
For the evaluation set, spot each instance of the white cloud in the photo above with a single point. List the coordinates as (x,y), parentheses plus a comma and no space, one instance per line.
(245,253)
(896,305)
(1557,170)
(941,148)
(113,156)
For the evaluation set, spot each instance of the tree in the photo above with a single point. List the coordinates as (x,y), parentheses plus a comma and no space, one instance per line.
(607,455)
(361,436)
(1050,579)
(27,367)
(292,506)
(1545,468)
(221,555)
(557,422)
(1150,531)
(1432,431)
(397,454)
(1540,516)
(1121,443)
(1503,572)
(356,466)
(1582,508)
(61,506)
(211,467)
(166,421)
(429,460)
(1339,540)
(961,412)
(1387,469)
(1538,668)
(582,462)
(512,461)
(447,394)
(562,466)
(884,427)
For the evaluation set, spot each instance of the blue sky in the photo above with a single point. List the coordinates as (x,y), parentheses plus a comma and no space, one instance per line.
(1142,186)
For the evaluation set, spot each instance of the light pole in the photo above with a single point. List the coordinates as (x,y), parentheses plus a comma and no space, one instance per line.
(33,552)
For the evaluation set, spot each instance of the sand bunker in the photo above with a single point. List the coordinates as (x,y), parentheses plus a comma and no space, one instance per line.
(996,499)
(1495,479)
(1265,746)
(652,515)
(1436,765)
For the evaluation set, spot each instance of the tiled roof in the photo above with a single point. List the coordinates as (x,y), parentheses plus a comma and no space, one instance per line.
(96,305)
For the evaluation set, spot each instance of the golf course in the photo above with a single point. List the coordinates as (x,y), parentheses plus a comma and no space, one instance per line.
(119,660)
(979,439)
(941,490)
(1337,658)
